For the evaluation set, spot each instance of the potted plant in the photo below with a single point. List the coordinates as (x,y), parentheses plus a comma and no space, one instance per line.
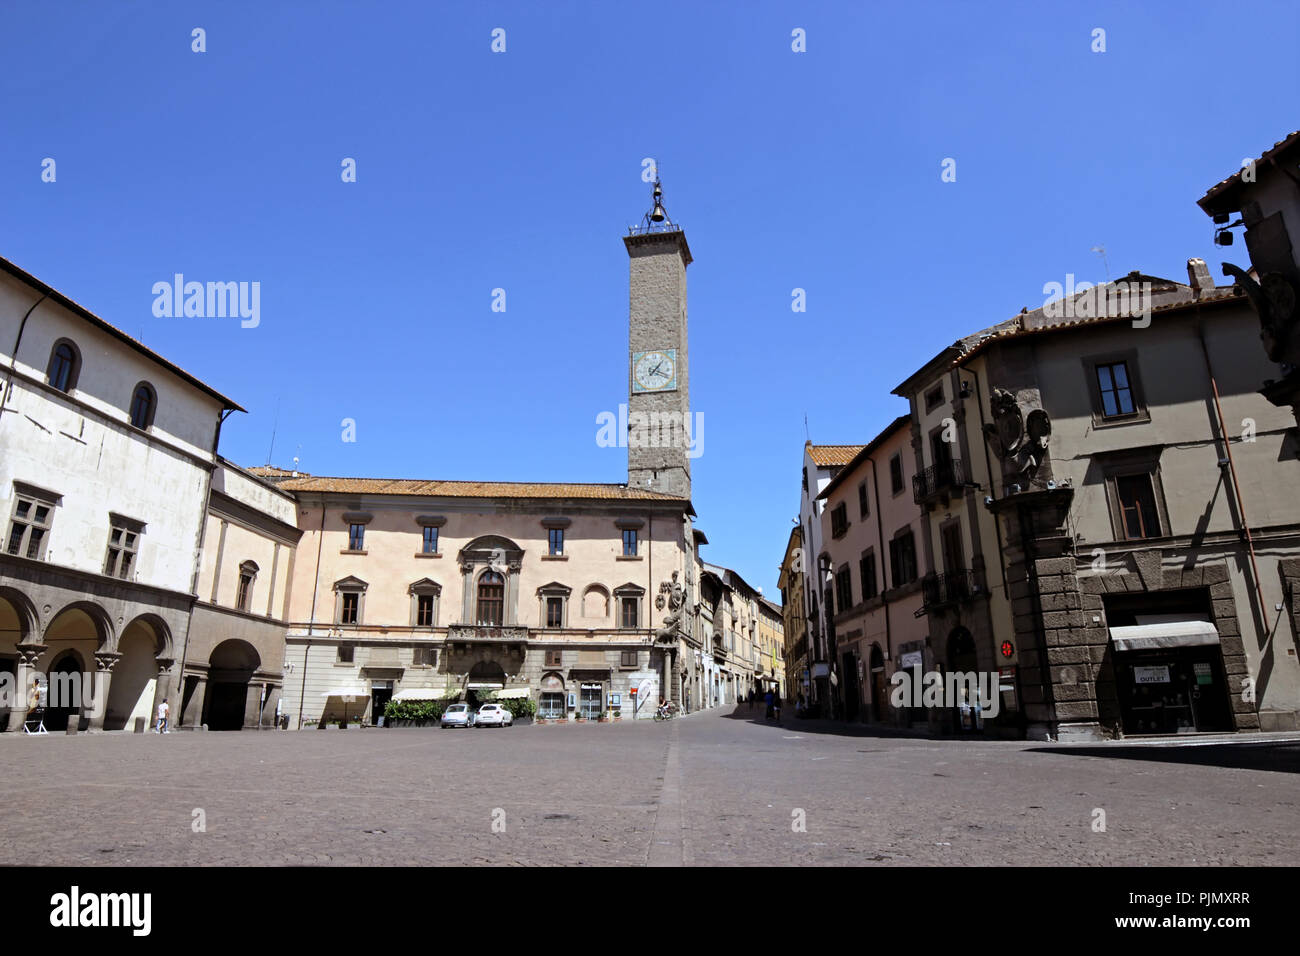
(618,714)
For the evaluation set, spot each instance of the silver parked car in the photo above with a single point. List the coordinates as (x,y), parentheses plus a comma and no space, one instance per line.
(457,715)
(493,715)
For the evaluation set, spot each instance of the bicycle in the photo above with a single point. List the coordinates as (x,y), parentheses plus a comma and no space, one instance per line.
(667,712)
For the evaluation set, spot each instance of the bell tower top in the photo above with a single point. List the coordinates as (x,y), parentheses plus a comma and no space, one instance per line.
(662,435)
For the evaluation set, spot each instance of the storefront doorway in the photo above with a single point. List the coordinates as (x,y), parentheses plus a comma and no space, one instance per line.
(550,704)
(878,691)
(591,701)
(381,692)
(1173,691)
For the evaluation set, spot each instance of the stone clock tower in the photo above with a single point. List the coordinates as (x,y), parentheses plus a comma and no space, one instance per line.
(661,432)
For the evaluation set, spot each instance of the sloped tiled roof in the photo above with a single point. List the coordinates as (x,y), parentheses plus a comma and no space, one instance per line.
(832,456)
(1219,198)
(471,489)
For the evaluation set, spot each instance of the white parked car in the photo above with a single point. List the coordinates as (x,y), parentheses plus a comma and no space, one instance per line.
(493,715)
(457,715)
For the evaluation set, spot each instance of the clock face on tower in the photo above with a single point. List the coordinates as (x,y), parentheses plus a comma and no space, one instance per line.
(654,371)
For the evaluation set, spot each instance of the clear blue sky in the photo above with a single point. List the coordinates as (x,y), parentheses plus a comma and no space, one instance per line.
(819,170)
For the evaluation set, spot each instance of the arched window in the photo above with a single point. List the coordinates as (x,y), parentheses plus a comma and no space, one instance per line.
(65,364)
(143,403)
(491,598)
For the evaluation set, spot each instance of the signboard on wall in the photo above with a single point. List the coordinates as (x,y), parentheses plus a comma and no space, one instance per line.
(1203,675)
(1151,675)
(909,660)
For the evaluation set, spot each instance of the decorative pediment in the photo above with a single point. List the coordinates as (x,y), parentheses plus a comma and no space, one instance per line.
(555,589)
(630,590)
(350,583)
(425,586)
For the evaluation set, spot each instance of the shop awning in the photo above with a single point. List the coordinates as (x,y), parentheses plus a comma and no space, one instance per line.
(484,685)
(1154,637)
(513,692)
(353,691)
(422,693)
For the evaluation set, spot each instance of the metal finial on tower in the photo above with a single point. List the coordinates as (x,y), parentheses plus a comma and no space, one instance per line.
(656,220)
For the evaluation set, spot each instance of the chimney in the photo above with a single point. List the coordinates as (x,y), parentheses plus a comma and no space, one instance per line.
(1198,275)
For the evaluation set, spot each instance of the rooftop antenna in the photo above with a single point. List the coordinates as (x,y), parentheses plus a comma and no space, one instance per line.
(274,425)
(1105,263)
(806,434)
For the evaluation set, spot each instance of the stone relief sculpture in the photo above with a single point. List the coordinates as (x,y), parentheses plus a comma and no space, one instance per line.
(676,606)
(1019,440)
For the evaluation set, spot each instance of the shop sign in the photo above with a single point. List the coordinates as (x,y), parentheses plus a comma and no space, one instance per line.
(1151,675)
(1203,675)
(820,669)
(909,660)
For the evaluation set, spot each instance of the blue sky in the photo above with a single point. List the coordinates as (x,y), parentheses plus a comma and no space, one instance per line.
(521,170)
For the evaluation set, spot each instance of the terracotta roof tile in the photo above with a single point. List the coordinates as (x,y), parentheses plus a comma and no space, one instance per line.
(830,456)
(471,489)
(1207,202)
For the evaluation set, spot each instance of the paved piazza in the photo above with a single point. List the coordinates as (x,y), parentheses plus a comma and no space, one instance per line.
(713,788)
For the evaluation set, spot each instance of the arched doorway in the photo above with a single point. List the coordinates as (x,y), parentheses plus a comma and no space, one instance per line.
(878,692)
(484,677)
(135,675)
(64,690)
(230,668)
(73,637)
(17,624)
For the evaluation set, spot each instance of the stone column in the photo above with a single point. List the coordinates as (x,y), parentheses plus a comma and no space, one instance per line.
(27,657)
(193,715)
(104,662)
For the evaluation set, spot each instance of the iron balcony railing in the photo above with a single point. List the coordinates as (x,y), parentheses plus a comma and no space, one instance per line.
(943,478)
(947,589)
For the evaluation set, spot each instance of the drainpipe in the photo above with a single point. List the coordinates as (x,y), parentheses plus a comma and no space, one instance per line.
(13,357)
(988,464)
(311,623)
(1232,469)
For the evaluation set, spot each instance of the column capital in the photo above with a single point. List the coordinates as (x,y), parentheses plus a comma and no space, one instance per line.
(28,652)
(104,660)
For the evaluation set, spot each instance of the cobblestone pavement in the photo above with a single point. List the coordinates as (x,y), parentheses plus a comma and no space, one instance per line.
(712,788)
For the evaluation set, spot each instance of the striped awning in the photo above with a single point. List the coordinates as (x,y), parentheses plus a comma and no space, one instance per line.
(1152,637)
(422,693)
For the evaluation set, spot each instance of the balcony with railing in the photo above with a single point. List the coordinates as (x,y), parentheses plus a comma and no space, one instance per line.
(939,591)
(945,478)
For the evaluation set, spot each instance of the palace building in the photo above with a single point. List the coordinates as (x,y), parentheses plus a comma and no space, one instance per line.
(580,596)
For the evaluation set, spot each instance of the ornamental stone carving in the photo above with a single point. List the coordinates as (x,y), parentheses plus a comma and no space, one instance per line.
(1019,440)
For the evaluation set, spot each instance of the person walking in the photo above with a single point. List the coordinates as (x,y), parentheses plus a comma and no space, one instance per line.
(768,699)
(776,704)
(161,726)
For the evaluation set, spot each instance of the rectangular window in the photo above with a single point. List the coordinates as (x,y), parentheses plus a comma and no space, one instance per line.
(896,473)
(629,618)
(843,590)
(839,520)
(868,568)
(31,523)
(864,508)
(629,543)
(430,545)
(1137,506)
(122,546)
(1116,392)
(351,607)
(555,541)
(553,657)
(346,653)
(424,610)
(934,398)
(425,656)
(902,555)
(244,592)
(555,612)
(356,537)
(628,659)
